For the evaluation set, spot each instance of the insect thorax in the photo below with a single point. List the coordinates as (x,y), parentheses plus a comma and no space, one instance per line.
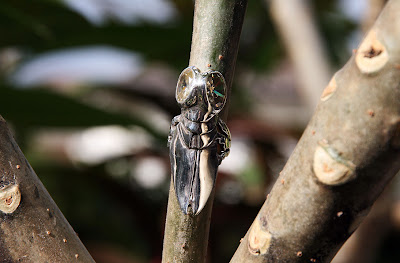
(196,125)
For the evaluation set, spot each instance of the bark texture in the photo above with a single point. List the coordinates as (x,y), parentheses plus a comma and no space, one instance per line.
(363,245)
(216,31)
(32,228)
(348,153)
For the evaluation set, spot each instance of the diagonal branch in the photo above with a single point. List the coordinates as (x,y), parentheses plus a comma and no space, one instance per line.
(216,31)
(32,228)
(348,153)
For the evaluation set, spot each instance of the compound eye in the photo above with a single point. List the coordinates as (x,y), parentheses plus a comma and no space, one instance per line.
(216,91)
(184,85)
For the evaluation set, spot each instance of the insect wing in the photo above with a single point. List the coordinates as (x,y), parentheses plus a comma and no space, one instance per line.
(183,168)
(194,172)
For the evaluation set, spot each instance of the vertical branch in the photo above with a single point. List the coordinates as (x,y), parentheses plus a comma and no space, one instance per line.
(293,18)
(32,228)
(217,26)
(348,153)
(216,31)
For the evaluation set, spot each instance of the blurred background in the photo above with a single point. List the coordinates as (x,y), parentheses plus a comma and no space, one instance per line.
(87,87)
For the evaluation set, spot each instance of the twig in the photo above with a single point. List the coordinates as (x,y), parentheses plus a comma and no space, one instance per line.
(216,31)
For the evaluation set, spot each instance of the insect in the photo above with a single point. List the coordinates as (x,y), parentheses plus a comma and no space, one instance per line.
(199,140)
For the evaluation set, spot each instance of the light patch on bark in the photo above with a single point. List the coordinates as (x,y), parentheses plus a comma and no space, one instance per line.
(330,167)
(329,90)
(10,198)
(372,55)
(259,239)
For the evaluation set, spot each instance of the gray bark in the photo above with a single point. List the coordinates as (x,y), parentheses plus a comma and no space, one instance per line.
(32,228)
(348,153)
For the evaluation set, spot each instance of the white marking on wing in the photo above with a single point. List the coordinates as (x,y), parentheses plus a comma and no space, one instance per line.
(206,180)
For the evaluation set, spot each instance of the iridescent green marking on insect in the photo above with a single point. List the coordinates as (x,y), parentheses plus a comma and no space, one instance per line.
(218,94)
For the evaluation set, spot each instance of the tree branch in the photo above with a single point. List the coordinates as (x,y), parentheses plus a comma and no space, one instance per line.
(32,228)
(216,31)
(360,247)
(293,19)
(348,153)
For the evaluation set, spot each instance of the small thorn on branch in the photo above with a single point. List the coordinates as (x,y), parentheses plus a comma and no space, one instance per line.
(371,113)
